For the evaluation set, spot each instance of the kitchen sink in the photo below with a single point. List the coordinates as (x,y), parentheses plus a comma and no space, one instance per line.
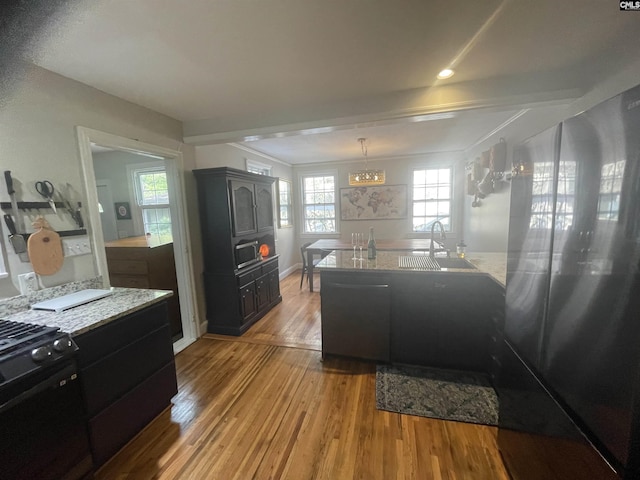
(454,263)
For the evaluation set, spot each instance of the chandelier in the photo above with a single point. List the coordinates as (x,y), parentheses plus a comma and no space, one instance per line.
(366,176)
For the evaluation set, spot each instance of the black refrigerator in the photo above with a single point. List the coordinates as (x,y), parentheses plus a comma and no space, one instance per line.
(570,364)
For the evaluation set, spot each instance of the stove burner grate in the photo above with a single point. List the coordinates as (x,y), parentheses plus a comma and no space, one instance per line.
(15,334)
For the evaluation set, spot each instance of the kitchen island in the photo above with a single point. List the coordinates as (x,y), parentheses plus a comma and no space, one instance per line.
(378,310)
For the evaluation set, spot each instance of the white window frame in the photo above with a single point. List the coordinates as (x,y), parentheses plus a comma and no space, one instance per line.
(134,171)
(303,223)
(451,199)
(260,168)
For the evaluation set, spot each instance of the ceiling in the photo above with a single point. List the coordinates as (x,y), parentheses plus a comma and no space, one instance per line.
(301,80)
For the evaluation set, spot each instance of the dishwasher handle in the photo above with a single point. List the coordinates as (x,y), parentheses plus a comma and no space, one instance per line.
(357,286)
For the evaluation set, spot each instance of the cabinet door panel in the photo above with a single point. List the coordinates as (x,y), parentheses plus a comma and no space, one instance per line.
(414,333)
(262,291)
(274,285)
(264,207)
(248,305)
(243,207)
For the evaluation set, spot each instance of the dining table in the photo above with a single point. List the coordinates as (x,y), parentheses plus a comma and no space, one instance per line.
(325,246)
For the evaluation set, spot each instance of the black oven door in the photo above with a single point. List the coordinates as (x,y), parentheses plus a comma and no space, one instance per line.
(43,431)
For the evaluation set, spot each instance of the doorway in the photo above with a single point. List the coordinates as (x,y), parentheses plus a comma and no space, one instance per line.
(120,241)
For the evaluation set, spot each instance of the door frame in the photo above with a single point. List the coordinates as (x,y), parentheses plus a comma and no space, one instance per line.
(181,240)
(107,185)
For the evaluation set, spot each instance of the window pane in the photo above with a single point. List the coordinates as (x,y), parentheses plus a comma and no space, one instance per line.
(319,208)
(431,198)
(157,222)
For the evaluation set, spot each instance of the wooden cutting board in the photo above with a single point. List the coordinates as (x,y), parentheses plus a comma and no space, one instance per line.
(45,251)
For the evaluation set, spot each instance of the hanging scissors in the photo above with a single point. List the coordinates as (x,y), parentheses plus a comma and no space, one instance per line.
(45,188)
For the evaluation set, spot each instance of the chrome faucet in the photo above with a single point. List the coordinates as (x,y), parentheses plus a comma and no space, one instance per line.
(433,250)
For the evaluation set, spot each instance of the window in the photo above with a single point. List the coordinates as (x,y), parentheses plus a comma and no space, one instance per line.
(152,195)
(285,217)
(257,167)
(431,198)
(319,203)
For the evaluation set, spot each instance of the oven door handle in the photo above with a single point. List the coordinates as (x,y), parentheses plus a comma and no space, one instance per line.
(65,374)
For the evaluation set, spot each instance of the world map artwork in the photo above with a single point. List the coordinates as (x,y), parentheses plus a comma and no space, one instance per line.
(377,202)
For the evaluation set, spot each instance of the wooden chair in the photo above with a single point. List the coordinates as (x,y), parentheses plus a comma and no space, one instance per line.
(305,267)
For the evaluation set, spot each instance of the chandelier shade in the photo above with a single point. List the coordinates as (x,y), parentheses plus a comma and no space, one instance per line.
(366,176)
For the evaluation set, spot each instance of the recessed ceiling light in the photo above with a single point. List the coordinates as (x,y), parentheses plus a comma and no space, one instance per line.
(446,73)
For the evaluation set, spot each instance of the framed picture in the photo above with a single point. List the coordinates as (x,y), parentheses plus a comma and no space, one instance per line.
(383,202)
(123,212)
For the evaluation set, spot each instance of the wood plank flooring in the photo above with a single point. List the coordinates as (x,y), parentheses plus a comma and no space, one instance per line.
(265,406)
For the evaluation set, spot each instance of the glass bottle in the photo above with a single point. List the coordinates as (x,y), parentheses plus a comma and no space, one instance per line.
(461,249)
(371,245)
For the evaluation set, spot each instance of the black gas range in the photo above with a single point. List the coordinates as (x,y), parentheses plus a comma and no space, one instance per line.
(43,431)
(25,351)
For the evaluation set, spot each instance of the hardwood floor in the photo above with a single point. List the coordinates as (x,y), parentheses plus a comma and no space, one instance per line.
(265,406)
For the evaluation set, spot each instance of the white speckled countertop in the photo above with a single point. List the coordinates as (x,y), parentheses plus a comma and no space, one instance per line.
(487,263)
(83,318)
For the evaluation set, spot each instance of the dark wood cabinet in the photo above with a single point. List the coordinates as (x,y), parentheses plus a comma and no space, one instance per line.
(441,320)
(128,377)
(144,262)
(414,331)
(236,208)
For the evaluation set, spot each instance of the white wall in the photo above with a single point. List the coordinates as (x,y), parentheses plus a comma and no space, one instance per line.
(398,172)
(211,156)
(38,141)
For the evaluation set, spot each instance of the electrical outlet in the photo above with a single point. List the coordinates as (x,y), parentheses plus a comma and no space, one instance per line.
(73,246)
(28,283)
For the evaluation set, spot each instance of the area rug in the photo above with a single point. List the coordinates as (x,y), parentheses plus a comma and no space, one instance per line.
(445,394)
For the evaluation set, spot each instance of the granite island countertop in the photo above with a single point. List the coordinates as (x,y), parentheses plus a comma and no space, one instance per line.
(493,264)
(81,319)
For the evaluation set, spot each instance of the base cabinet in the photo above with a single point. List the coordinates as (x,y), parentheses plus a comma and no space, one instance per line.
(128,377)
(137,262)
(237,301)
(440,320)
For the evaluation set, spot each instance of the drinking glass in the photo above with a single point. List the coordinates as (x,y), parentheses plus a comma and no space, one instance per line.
(354,242)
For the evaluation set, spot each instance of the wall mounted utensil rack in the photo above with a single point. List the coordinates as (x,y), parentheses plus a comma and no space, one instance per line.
(34,205)
(42,206)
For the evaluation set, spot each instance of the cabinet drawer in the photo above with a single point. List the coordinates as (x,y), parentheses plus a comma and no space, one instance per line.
(118,423)
(270,266)
(105,340)
(135,267)
(129,281)
(248,277)
(117,374)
